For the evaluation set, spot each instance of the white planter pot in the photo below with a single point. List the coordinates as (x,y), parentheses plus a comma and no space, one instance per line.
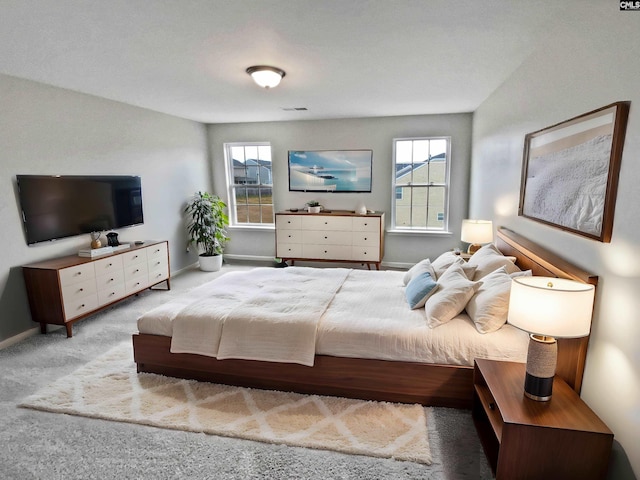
(314,209)
(210,264)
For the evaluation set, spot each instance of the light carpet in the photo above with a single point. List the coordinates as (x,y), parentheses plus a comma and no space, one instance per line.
(109,388)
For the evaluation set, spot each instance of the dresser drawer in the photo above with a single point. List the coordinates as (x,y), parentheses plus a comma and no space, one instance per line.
(328,237)
(137,256)
(110,279)
(327,252)
(288,250)
(108,265)
(155,263)
(366,224)
(366,239)
(79,306)
(77,273)
(78,290)
(289,236)
(116,292)
(326,222)
(288,222)
(366,254)
(135,270)
(158,251)
(136,284)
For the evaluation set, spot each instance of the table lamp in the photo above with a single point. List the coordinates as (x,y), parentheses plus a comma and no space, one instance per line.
(548,307)
(476,232)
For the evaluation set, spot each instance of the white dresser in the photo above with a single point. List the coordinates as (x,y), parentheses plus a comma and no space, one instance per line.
(337,236)
(64,290)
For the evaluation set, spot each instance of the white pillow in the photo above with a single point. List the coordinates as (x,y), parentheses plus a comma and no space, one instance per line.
(453,293)
(447,259)
(488,259)
(489,306)
(420,267)
(419,289)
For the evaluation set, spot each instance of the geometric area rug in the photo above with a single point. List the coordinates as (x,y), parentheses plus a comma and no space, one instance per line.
(110,389)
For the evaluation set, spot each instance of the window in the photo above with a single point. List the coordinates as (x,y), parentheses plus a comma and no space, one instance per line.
(421,183)
(250,183)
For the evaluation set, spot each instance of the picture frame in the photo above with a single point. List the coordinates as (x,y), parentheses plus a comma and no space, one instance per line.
(331,171)
(570,172)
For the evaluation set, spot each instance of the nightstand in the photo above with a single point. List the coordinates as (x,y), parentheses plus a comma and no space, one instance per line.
(525,439)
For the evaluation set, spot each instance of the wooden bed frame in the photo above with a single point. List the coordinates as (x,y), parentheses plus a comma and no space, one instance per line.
(427,384)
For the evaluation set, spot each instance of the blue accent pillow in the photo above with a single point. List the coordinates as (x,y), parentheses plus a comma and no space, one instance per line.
(419,289)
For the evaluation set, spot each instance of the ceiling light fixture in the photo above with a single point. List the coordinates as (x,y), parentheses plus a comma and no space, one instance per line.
(265,76)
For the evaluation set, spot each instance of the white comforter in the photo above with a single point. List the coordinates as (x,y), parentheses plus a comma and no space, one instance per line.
(356,313)
(257,318)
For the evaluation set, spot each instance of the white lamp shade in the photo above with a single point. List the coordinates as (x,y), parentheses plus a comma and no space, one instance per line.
(477,231)
(549,306)
(265,76)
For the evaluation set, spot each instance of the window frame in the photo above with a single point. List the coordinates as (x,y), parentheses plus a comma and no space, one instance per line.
(446,185)
(232,186)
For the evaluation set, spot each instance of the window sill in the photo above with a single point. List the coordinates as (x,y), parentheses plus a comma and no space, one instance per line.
(253,227)
(426,233)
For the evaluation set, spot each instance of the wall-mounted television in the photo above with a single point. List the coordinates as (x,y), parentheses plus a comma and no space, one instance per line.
(330,170)
(55,207)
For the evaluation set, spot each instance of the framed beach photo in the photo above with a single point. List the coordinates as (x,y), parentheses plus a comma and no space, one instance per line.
(347,171)
(570,172)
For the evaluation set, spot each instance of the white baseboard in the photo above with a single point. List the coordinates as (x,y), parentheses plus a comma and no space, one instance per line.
(249,258)
(18,338)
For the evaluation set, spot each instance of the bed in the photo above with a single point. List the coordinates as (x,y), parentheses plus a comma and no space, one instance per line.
(400,369)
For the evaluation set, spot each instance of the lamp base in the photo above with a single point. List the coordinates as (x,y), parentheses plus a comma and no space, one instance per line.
(542,358)
(473,248)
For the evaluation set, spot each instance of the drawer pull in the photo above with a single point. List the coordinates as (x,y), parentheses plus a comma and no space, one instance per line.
(365,238)
(326,223)
(137,283)
(81,290)
(136,270)
(112,294)
(136,256)
(157,263)
(366,224)
(325,251)
(158,251)
(326,238)
(82,306)
(79,273)
(492,406)
(110,265)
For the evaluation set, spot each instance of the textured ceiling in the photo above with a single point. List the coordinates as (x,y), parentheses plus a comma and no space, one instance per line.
(343,58)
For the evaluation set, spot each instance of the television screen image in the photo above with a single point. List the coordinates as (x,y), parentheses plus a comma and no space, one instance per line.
(330,170)
(55,207)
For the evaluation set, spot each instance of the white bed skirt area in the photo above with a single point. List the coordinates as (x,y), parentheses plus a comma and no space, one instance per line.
(367,317)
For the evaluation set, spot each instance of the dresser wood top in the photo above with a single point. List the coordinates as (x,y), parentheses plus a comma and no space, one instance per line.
(71,260)
(335,213)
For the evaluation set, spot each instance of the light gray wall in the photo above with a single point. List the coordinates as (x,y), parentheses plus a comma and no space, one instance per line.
(592,63)
(363,133)
(47,130)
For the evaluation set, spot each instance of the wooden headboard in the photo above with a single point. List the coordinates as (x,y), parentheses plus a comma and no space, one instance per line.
(572,352)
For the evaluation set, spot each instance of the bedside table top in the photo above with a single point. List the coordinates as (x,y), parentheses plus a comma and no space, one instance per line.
(565,410)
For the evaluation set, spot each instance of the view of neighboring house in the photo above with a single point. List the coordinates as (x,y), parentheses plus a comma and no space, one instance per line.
(425,183)
(252,172)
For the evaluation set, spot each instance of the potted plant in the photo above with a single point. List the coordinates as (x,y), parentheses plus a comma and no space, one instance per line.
(207,222)
(313,206)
